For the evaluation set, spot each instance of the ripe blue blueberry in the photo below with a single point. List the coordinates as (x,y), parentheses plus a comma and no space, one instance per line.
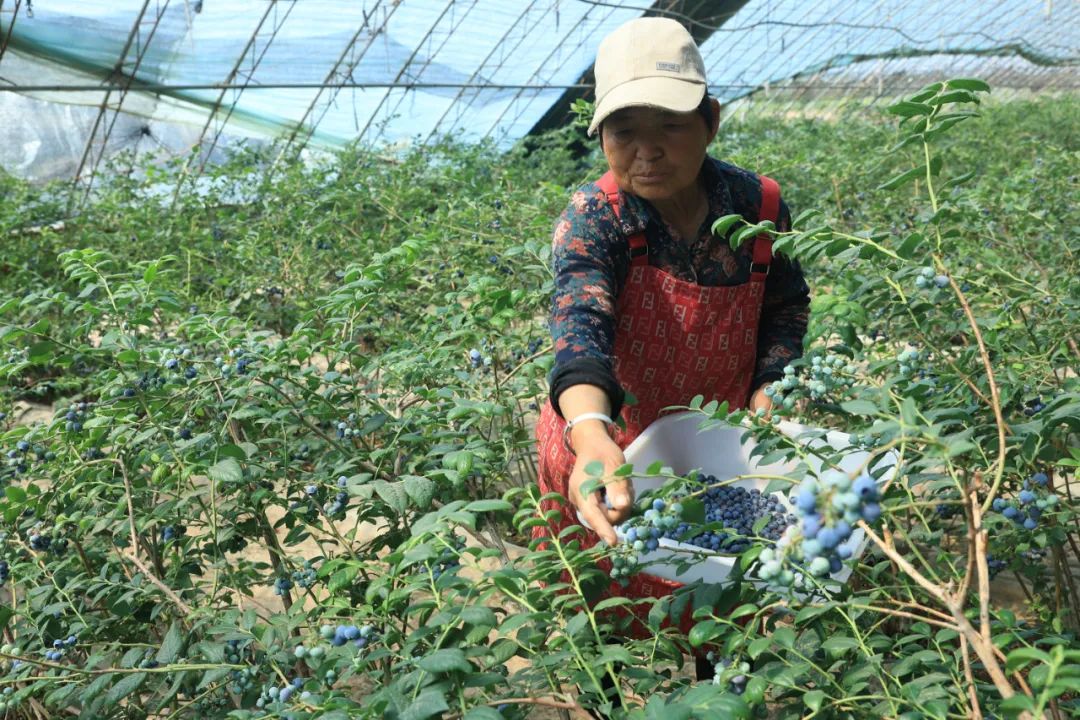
(865,487)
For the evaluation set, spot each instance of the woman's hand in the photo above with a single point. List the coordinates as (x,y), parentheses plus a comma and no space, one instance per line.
(759,400)
(592,445)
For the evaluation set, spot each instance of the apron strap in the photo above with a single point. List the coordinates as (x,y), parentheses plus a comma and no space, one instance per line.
(769,210)
(639,247)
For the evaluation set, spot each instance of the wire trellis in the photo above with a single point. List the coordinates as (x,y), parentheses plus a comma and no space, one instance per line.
(422,69)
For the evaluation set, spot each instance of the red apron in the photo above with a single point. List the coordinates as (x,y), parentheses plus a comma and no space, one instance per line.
(673,340)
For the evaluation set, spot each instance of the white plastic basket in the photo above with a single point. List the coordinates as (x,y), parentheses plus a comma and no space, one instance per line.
(676,442)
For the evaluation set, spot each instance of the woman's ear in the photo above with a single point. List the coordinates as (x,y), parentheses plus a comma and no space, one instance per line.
(715,119)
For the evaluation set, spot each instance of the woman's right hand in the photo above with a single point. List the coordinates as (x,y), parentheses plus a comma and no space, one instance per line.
(592,446)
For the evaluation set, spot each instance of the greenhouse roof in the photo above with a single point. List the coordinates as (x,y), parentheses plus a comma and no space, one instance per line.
(87,77)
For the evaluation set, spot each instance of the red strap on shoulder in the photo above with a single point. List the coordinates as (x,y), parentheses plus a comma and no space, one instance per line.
(769,210)
(639,247)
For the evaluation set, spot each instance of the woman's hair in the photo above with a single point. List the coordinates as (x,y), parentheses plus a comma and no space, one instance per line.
(704,109)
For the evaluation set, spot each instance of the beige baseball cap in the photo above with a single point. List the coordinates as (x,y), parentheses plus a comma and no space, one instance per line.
(648,61)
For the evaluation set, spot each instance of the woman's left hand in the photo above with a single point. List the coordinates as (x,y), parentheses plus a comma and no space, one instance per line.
(759,400)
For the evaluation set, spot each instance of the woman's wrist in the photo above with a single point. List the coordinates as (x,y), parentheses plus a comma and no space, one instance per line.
(587,432)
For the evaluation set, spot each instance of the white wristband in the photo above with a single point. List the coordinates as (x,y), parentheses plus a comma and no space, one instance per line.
(583,416)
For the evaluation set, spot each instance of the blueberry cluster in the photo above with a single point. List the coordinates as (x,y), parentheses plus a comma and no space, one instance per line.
(38,541)
(476,359)
(305,577)
(6,701)
(347,428)
(449,558)
(1034,406)
(282,585)
(240,681)
(337,506)
(59,648)
(624,563)
(171,532)
(148,380)
(910,362)
(995,566)
(240,367)
(173,362)
(5,572)
(92,453)
(520,353)
(148,660)
(826,375)
(827,508)
(734,674)
(184,433)
(18,456)
(275,694)
(274,293)
(927,278)
(1032,501)
(302,452)
(360,636)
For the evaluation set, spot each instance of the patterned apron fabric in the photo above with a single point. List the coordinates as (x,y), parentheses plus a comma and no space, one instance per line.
(674,340)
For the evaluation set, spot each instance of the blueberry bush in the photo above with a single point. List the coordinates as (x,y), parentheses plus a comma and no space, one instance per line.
(288,469)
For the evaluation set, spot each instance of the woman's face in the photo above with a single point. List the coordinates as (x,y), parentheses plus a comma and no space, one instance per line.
(655,154)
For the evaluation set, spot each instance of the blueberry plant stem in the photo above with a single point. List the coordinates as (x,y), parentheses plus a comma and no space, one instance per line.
(995,395)
(983,649)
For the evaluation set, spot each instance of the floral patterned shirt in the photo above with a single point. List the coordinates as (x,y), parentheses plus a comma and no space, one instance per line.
(591,260)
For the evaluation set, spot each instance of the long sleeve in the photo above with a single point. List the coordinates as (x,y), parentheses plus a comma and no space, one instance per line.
(785,313)
(583,305)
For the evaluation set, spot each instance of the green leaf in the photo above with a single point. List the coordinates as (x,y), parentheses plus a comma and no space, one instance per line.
(804,217)
(15,494)
(427,704)
(723,224)
(40,352)
(393,494)
(837,645)
(478,615)
(445,661)
(702,632)
(125,687)
(968,84)
(906,249)
(1022,656)
(492,505)
(226,471)
(903,178)
(906,108)
(420,489)
(861,408)
(813,699)
(784,637)
(171,645)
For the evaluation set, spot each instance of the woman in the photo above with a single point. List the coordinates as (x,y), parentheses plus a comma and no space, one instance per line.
(647,300)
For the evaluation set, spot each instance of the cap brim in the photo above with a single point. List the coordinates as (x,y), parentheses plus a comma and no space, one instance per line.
(659,92)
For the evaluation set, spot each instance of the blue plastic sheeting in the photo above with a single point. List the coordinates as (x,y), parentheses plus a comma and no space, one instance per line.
(473,56)
(456,43)
(780,42)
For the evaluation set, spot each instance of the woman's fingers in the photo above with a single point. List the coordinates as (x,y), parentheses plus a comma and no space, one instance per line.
(620,493)
(593,513)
